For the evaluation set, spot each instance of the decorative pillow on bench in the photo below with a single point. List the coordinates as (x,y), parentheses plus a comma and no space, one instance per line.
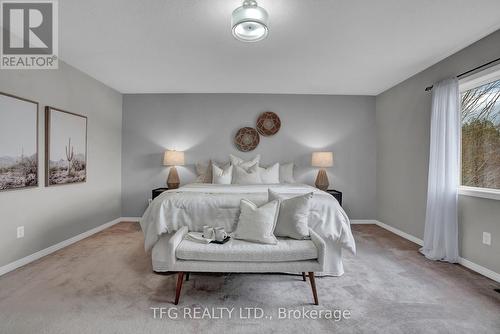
(257,223)
(293,215)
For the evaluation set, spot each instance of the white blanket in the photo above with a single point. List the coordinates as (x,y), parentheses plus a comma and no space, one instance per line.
(196,205)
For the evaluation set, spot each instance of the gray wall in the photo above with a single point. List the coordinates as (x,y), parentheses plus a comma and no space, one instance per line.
(51,215)
(403,127)
(203,125)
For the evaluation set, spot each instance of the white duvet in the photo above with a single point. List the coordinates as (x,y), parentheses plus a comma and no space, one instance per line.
(196,205)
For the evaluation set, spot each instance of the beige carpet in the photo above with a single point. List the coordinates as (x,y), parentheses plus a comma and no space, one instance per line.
(104,284)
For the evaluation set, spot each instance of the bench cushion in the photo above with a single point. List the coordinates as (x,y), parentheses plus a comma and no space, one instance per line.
(244,251)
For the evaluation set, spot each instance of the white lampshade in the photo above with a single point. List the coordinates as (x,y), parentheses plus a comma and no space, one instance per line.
(322,159)
(173,158)
(249,22)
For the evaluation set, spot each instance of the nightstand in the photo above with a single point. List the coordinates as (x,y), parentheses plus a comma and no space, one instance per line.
(337,194)
(157,192)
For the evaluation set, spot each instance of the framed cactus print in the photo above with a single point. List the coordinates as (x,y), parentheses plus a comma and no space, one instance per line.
(18,143)
(65,147)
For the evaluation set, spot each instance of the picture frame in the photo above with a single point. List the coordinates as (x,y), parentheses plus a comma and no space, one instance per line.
(19,158)
(64,131)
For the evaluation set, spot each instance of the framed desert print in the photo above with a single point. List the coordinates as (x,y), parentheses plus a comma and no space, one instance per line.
(18,142)
(65,147)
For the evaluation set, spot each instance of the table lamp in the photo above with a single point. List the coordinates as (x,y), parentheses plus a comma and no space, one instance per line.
(172,159)
(322,160)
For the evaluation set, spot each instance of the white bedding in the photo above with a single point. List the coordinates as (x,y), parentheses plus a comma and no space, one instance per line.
(195,205)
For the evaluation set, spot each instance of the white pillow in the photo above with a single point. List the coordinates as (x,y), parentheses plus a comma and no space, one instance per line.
(222,176)
(242,163)
(286,173)
(270,174)
(246,176)
(293,215)
(257,223)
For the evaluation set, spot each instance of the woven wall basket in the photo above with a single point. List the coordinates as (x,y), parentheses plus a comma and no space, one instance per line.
(268,123)
(246,139)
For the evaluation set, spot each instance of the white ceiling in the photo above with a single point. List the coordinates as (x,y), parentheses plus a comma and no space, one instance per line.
(314,46)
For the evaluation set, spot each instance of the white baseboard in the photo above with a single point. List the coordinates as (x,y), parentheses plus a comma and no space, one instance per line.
(30,258)
(35,256)
(405,235)
(130,219)
(480,269)
(389,228)
(464,262)
(363,221)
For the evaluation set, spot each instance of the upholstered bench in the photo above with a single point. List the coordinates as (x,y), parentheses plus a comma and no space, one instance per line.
(289,255)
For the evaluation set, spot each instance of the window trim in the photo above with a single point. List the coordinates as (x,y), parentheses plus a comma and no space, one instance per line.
(475,80)
(480,78)
(479,192)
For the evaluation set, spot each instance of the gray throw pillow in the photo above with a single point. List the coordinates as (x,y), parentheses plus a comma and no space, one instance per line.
(257,223)
(293,215)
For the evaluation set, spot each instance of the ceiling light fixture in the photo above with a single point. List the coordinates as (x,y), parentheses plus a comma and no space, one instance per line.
(249,22)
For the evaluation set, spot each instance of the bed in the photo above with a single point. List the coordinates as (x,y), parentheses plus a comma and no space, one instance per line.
(196,205)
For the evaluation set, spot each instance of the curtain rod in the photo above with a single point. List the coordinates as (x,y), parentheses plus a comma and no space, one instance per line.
(428,89)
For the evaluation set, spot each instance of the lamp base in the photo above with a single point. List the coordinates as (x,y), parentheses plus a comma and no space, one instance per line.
(322,180)
(173,178)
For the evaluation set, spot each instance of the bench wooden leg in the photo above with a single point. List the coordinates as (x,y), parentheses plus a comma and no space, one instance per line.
(180,279)
(187,276)
(313,286)
(304,276)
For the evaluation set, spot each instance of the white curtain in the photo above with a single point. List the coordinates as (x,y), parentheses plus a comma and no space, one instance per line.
(441,222)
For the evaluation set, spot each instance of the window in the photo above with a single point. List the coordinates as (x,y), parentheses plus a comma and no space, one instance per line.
(480,136)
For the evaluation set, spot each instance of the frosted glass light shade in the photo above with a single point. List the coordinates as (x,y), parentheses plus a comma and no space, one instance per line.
(249,22)
(322,159)
(173,158)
